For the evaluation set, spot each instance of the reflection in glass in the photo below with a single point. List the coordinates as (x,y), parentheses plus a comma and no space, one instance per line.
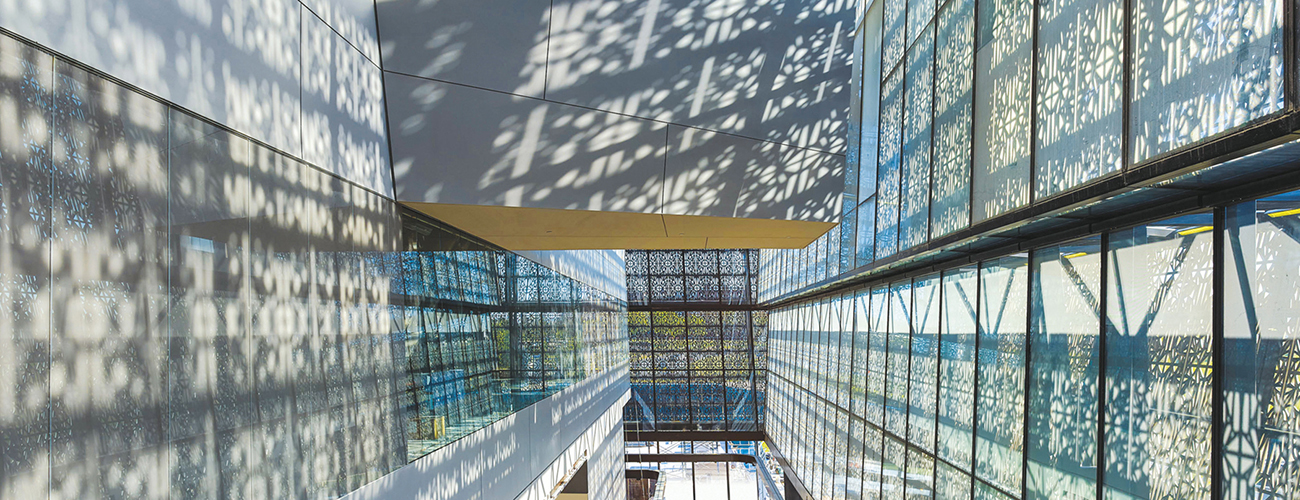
(1002,114)
(1080,82)
(1158,359)
(1262,435)
(999,436)
(1063,370)
(954,61)
(900,311)
(925,363)
(956,410)
(1201,68)
(887,195)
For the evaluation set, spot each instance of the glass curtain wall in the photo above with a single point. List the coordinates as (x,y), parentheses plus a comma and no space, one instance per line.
(698,343)
(1148,362)
(189,313)
(967,111)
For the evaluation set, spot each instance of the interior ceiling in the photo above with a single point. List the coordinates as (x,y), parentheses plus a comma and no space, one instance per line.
(517,228)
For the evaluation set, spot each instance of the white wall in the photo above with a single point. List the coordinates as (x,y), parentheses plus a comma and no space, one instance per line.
(524,455)
(732,108)
(301,77)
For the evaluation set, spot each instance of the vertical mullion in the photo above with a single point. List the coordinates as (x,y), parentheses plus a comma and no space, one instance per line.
(1101,364)
(1216,354)
(1033,131)
(1029,320)
(1291,93)
(975,391)
(654,364)
(1126,108)
(910,315)
(938,371)
(934,93)
(970,160)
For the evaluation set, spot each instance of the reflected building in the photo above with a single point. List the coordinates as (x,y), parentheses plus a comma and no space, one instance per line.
(669,249)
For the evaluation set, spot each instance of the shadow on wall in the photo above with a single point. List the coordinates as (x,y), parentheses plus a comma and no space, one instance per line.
(730,108)
(271,69)
(185,313)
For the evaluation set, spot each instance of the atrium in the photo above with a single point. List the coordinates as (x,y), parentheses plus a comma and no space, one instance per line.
(649,249)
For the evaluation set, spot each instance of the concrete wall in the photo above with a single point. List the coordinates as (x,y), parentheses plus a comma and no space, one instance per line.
(728,108)
(523,456)
(302,77)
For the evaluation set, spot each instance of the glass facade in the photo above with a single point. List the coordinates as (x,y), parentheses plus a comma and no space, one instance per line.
(698,342)
(709,470)
(191,314)
(967,111)
(1095,367)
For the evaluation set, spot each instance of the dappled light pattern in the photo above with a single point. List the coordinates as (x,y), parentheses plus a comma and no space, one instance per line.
(1260,355)
(954,62)
(727,108)
(1158,370)
(1063,370)
(1004,41)
(914,214)
(984,379)
(511,151)
(189,313)
(1174,104)
(698,355)
(891,136)
(1028,107)
(1080,93)
(709,64)
(1000,393)
(271,69)
(957,368)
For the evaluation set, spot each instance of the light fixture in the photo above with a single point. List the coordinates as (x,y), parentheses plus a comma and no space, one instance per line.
(1195,230)
(1284,213)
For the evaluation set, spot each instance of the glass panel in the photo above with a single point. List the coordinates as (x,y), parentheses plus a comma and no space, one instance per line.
(854,466)
(877,362)
(1200,68)
(1158,356)
(742,481)
(919,14)
(1002,114)
(869,143)
(999,439)
(208,360)
(1063,367)
(1080,86)
(861,352)
(914,215)
(711,479)
(107,313)
(677,479)
(925,363)
(900,310)
(894,485)
(920,475)
(891,136)
(1262,447)
(950,483)
(26,84)
(866,232)
(895,25)
(872,463)
(954,60)
(957,367)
